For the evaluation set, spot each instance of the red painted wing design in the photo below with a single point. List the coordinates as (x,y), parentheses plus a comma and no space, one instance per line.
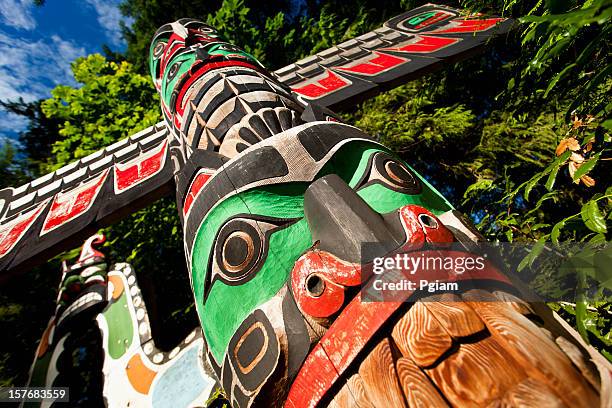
(50,214)
(406,47)
(41,218)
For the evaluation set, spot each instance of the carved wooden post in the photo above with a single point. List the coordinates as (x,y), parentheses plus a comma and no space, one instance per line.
(275,201)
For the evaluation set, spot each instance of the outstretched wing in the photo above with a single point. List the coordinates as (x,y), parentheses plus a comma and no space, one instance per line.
(404,48)
(56,211)
(60,209)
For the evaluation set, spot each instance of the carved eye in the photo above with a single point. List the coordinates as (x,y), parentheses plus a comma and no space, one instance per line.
(206,30)
(387,170)
(173,70)
(241,246)
(159,49)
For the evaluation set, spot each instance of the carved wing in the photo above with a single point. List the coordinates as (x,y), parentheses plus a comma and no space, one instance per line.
(56,211)
(404,48)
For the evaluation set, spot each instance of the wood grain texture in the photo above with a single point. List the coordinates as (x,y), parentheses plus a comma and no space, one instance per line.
(511,362)
(531,393)
(358,391)
(517,304)
(477,374)
(344,399)
(587,368)
(421,336)
(380,377)
(533,350)
(456,317)
(418,389)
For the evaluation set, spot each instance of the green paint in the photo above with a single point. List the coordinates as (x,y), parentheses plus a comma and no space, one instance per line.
(217,49)
(416,20)
(383,200)
(120,327)
(186,60)
(227,306)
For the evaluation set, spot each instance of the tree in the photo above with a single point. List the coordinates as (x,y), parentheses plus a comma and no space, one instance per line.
(36,141)
(11,168)
(494,124)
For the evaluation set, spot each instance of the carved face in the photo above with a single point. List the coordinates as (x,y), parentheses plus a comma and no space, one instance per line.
(82,291)
(183,52)
(273,235)
(249,239)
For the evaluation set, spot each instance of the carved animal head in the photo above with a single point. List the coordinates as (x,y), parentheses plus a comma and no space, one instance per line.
(274,243)
(181,54)
(273,232)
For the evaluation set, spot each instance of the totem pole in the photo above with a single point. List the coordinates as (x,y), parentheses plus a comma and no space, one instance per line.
(134,372)
(81,296)
(276,202)
(277,198)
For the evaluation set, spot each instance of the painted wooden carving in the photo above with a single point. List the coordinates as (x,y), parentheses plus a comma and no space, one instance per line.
(276,196)
(135,372)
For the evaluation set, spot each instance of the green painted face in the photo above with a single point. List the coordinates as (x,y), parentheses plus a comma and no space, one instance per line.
(278,212)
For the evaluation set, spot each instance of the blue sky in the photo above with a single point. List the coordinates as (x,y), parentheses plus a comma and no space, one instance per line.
(37,45)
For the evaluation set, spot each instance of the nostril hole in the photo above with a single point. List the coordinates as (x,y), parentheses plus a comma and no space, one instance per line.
(315,285)
(428,221)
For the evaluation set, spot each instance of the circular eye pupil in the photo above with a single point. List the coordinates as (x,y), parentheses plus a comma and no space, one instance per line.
(315,285)
(238,251)
(428,221)
(398,173)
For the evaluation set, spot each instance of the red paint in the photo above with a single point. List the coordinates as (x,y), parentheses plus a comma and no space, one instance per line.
(426,44)
(339,346)
(194,189)
(68,205)
(13,231)
(174,43)
(376,65)
(353,329)
(145,166)
(468,26)
(409,216)
(324,86)
(179,105)
(336,275)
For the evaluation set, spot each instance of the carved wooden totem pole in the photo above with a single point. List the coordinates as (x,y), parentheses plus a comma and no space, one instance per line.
(276,197)
(136,373)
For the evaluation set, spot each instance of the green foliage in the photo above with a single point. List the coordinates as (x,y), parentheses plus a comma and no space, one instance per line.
(594,322)
(415,119)
(518,138)
(498,149)
(217,400)
(11,168)
(36,141)
(112,103)
(571,40)
(276,32)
